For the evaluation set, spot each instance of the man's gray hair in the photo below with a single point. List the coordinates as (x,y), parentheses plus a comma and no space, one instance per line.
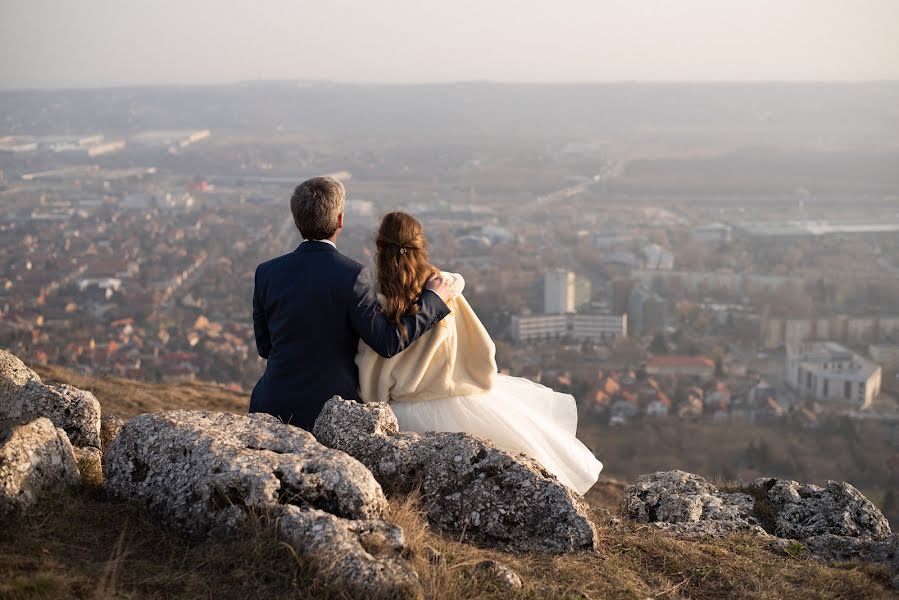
(315,205)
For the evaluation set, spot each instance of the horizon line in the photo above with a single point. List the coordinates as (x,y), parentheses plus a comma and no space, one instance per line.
(475,81)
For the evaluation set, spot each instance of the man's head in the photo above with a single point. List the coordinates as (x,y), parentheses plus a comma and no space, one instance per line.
(317,206)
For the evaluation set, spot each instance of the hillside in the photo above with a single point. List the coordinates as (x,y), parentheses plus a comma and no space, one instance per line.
(86,546)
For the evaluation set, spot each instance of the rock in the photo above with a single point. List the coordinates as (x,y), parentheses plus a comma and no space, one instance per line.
(13,377)
(499,573)
(689,506)
(468,485)
(201,472)
(833,523)
(200,469)
(110,426)
(830,547)
(35,459)
(361,558)
(76,411)
(24,397)
(803,511)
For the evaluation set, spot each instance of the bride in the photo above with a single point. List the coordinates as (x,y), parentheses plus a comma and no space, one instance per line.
(447,379)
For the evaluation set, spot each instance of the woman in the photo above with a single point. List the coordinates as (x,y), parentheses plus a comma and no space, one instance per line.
(447,379)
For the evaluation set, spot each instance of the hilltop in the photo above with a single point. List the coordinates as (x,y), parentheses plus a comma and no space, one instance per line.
(86,545)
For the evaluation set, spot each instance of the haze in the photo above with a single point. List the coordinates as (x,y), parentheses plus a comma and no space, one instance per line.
(93,43)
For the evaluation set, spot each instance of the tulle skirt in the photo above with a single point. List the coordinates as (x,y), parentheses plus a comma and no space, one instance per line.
(517,415)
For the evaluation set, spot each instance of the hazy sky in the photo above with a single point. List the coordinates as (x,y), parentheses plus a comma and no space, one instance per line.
(64,43)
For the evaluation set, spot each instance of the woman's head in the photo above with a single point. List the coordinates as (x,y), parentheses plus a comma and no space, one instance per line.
(402,263)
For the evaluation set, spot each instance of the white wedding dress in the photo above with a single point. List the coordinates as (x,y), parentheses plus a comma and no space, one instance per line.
(447,381)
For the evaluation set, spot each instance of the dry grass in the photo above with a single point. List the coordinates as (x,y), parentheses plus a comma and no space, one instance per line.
(127,398)
(639,563)
(84,545)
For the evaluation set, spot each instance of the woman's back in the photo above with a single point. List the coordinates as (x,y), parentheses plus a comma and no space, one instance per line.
(455,358)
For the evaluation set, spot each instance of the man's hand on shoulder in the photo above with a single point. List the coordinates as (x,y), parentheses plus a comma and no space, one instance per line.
(442,286)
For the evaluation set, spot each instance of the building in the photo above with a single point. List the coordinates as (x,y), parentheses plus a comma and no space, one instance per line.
(829,372)
(599,328)
(558,292)
(646,311)
(684,366)
(539,327)
(583,292)
(621,291)
(856,330)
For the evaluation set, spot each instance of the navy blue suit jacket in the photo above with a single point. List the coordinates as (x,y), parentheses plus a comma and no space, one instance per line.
(310,308)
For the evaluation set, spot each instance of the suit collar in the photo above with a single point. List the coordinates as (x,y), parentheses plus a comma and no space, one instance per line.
(315,246)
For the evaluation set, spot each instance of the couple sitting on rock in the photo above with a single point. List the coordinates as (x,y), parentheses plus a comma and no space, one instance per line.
(406,336)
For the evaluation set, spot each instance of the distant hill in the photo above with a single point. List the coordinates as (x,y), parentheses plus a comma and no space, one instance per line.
(464,109)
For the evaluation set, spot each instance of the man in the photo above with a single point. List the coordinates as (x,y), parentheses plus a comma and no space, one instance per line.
(310,308)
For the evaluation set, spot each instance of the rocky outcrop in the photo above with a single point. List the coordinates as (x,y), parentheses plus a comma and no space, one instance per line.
(802,511)
(13,377)
(689,506)
(362,558)
(470,487)
(24,398)
(35,459)
(202,472)
(75,411)
(835,522)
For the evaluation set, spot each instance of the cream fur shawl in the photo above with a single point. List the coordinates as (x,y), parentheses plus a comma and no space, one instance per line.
(456,357)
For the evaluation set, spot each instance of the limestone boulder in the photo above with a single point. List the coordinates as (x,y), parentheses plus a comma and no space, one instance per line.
(35,459)
(366,556)
(689,506)
(470,487)
(75,411)
(802,511)
(202,472)
(24,397)
(13,377)
(834,523)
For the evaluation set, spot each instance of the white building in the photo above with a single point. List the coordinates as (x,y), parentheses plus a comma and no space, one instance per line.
(600,328)
(829,372)
(539,327)
(558,292)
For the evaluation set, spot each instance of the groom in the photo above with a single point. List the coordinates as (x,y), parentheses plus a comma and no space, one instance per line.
(311,307)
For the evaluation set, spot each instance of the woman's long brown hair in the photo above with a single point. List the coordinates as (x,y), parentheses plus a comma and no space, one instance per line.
(402,263)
